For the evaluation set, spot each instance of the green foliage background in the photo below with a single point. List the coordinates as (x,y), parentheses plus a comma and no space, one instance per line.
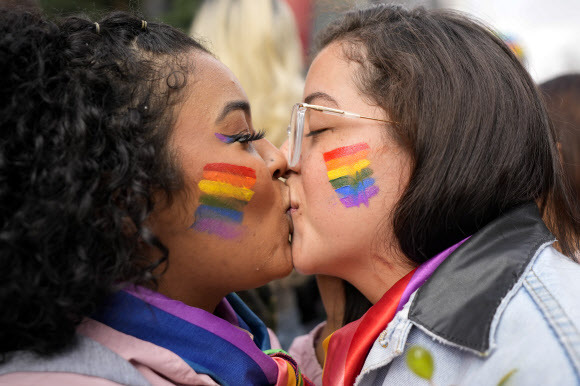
(178,13)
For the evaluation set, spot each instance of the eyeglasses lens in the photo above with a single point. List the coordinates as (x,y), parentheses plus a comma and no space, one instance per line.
(296,131)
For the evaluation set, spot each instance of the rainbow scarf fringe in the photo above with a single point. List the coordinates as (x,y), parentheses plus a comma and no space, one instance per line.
(349,174)
(347,348)
(226,190)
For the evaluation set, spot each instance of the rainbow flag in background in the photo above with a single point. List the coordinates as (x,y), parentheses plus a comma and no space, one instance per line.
(349,174)
(226,190)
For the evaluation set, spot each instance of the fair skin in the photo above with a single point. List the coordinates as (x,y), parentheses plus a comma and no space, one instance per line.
(204,267)
(351,243)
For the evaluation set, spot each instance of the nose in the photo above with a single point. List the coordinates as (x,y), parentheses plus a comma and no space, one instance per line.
(275,160)
(284,150)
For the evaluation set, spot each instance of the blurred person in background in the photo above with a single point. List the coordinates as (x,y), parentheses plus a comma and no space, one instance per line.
(258,40)
(562,95)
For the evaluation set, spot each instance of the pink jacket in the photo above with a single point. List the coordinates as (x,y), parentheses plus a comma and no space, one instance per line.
(302,350)
(153,364)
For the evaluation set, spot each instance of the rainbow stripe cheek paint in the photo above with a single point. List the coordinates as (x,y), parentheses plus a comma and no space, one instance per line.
(225,190)
(349,174)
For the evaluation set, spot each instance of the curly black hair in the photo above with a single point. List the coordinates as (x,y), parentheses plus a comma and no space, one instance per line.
(86,113)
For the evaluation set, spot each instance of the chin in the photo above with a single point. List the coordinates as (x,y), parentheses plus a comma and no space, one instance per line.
(272,273)
(303,266)
(305,270)
(310,263)
(279,264)
(299,261)
(286,271)
(286,266)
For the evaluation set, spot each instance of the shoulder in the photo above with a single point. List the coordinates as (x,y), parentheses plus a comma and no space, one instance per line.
(155,363)
(52,379)
(560,276)
(539,328)
(552,284)
(101,356)
(86,361)
(534,335)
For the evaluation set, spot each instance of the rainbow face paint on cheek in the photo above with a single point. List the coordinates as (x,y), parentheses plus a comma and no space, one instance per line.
(349,174)
(226,189)
(224,138)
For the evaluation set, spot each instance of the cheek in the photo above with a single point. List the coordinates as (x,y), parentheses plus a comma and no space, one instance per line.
(225,190)
(350,175)
(343,209)
(342,176)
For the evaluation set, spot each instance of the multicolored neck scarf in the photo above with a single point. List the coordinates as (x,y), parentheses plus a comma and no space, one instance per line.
(347,348)
(203,340)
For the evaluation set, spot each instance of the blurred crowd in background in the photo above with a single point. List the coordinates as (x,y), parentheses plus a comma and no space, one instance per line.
(267,43)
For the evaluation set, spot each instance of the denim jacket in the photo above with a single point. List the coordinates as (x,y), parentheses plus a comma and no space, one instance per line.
(504,308)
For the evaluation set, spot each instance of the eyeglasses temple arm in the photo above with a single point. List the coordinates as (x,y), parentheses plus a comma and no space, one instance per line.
(341,113)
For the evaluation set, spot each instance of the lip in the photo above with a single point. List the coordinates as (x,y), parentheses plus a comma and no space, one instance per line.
(293,206)
(290,222)
(288,206)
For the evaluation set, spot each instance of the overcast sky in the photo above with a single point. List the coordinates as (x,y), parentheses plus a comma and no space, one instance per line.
(548,30)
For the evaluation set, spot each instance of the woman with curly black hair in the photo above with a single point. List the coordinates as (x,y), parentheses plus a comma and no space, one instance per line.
(135,197)
(421,164)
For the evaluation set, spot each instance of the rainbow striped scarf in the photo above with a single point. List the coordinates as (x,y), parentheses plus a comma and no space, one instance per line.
(203,340)
(347,348)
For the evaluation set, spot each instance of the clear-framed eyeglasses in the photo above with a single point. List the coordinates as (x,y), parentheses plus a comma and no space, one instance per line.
(300,117)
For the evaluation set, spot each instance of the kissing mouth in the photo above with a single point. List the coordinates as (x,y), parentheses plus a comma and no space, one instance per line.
(289,217)
(290,224)
(293,207)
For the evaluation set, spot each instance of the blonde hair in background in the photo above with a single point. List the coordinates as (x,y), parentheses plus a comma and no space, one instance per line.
(258,40)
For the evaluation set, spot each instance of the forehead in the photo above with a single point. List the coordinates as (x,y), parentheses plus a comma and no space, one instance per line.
(333,81)
(212,80)
(210,88)
(333,74)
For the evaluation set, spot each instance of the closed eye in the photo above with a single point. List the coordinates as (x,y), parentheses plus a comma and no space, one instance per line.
(314,133)
(245,137)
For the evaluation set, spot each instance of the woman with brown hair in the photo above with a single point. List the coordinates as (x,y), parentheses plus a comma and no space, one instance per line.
(420,163)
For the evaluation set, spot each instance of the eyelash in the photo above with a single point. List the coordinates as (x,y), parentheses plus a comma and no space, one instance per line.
(315,133)
(246,137)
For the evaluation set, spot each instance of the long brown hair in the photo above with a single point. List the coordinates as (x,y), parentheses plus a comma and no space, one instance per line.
(470,116)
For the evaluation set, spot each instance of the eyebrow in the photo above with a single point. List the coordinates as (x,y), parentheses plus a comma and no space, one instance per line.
(321,95)
(234,106)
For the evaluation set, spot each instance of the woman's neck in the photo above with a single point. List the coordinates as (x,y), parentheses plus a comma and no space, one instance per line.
(379,275)
(206,300)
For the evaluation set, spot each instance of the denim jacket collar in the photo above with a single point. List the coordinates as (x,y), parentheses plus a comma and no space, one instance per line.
(459,301)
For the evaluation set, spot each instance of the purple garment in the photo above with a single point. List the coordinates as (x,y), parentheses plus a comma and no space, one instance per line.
(225,326)
(425,271)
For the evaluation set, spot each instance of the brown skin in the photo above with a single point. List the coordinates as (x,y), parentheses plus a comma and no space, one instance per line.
(204,267)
